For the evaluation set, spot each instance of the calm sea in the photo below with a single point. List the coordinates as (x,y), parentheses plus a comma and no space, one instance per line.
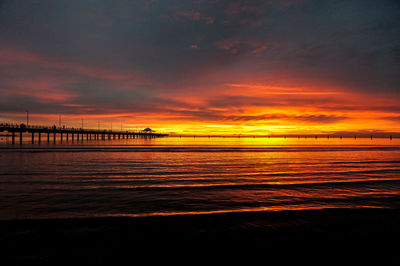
(170,176)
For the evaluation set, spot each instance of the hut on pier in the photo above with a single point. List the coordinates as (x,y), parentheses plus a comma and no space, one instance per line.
(147,130)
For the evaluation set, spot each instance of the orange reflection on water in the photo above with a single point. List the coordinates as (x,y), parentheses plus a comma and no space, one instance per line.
(170,176)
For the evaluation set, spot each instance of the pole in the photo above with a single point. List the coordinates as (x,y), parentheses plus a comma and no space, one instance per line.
(27,118)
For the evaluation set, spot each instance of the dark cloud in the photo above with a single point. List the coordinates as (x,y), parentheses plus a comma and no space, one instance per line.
(353,42)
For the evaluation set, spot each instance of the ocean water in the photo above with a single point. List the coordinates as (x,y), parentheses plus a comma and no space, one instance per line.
(188,176)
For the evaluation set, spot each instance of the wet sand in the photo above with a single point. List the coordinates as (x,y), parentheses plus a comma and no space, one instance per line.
(334,234)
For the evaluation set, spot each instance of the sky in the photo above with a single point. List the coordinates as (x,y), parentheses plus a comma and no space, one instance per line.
(203,67)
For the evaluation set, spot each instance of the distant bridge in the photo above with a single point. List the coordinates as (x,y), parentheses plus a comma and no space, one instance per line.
(70,134)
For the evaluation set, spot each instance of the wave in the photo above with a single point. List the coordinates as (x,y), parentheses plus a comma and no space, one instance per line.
(297,185)
(202,149)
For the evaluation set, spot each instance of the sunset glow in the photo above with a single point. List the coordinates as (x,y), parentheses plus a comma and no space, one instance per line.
(219,67)
(264,130)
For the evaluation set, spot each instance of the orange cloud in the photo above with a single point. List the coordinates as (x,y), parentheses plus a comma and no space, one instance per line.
(44,89)
(15,56)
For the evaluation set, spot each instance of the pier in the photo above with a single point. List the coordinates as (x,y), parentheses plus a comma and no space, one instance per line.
(50,134)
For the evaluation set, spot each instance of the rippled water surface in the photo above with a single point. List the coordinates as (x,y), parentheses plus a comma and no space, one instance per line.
(171,176)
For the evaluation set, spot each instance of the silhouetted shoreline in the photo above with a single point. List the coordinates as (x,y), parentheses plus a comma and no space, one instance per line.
(335,232)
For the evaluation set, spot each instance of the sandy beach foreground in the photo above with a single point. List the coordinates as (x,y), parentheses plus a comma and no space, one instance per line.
(333,233)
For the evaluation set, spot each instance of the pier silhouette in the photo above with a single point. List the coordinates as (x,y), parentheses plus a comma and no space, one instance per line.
(72,133)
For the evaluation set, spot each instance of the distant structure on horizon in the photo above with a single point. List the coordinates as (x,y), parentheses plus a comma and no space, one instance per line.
(148,130)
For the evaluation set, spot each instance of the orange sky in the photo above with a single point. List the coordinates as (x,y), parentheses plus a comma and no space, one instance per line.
(318,112)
